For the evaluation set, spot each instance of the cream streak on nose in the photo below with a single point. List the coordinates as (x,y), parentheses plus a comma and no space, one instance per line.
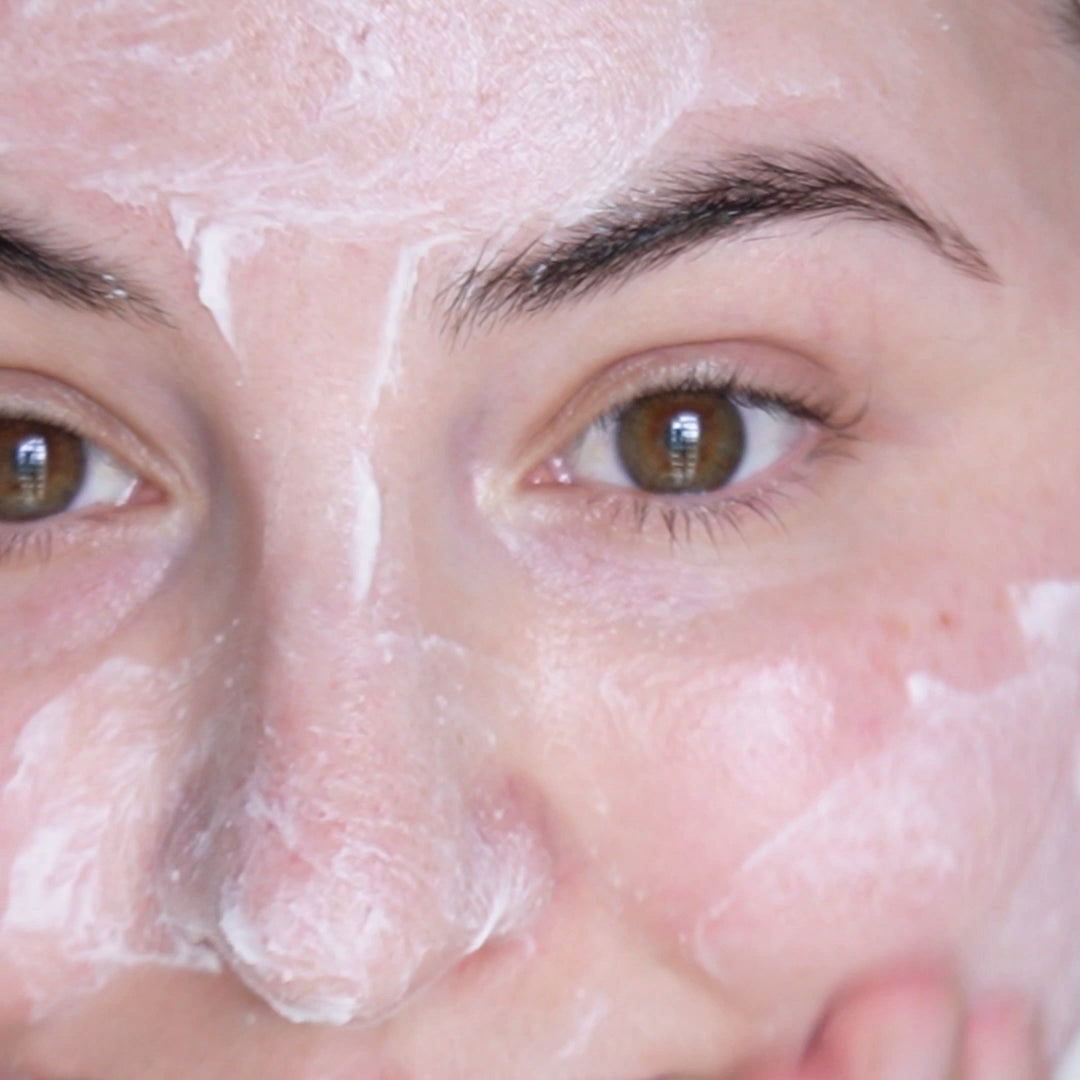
(340,903)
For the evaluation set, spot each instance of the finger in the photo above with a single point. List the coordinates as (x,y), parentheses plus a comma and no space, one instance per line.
(1002,1044)
(900,1027)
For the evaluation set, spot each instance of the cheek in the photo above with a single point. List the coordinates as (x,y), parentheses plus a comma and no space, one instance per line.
(913,849)
(81,809)
(792,823)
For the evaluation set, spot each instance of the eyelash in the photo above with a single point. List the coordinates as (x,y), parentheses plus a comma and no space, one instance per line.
(685,516)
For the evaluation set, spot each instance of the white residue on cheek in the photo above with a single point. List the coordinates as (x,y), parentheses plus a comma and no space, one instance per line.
(965,818)
(367,527)
(1046,613)
(87,794)
(587,1020)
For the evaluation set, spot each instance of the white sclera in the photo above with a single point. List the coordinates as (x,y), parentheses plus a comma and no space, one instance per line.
(105,482)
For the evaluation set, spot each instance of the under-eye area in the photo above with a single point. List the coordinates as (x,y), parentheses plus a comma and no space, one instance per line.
(74,479)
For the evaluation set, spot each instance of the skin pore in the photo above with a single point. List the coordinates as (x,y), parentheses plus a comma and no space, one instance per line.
(372,724)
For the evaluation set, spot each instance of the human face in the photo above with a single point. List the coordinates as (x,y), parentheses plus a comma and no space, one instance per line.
(361,718)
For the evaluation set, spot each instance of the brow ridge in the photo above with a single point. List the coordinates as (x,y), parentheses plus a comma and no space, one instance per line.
(688,208)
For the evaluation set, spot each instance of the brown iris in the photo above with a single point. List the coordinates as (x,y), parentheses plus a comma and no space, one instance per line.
(41,469)
(681,441)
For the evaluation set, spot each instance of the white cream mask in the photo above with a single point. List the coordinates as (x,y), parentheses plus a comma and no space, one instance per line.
(358,117)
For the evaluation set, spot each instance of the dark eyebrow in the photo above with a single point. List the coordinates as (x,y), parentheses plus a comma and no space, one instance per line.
(1069,22)
(687,209)
(31,262)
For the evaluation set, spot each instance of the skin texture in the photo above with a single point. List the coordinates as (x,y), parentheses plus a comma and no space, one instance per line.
(356,745)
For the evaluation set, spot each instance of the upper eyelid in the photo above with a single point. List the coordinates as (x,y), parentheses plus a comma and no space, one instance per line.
(740,392)
(757,369)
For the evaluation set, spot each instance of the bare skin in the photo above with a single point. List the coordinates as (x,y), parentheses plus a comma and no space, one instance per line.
(367,715)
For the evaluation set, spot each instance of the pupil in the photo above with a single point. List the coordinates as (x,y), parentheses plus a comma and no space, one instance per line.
(42,467)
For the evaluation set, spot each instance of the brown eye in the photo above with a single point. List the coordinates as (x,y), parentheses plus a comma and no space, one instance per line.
(42,468)
(681,441)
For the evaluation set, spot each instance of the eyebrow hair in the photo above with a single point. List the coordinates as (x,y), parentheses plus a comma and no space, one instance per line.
(1069,22)
(33,263)
(687,209)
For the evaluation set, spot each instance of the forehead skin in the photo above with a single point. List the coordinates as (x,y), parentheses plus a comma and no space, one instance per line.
(380,112)
(403,124)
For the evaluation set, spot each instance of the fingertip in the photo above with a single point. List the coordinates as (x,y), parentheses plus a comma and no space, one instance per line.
(902,1026)
(1002,1043)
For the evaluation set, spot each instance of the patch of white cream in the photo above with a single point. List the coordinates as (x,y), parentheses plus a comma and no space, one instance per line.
(86,796)
(1045,611)
(350,935)
(587,1020)
(358,117)
(367,527)
(1068,1067)
(214,258)
(400,294)
(216,246)
(905,830)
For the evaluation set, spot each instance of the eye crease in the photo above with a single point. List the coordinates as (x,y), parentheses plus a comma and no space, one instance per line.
(46,470)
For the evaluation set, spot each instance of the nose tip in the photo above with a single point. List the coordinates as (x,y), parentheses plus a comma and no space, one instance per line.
(337,922)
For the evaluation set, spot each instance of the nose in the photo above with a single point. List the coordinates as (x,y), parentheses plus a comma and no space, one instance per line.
(351,835)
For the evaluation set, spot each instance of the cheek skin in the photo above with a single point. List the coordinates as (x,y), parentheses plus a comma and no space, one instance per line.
(81,808)
(792,822)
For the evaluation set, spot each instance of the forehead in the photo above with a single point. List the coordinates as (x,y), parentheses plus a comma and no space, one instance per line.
(331,109)
(345,106)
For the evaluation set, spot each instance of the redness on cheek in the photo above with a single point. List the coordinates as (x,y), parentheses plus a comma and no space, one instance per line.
(954,838)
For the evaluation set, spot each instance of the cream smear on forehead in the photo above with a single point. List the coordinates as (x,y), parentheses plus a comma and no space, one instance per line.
(86,797)
(355,114)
